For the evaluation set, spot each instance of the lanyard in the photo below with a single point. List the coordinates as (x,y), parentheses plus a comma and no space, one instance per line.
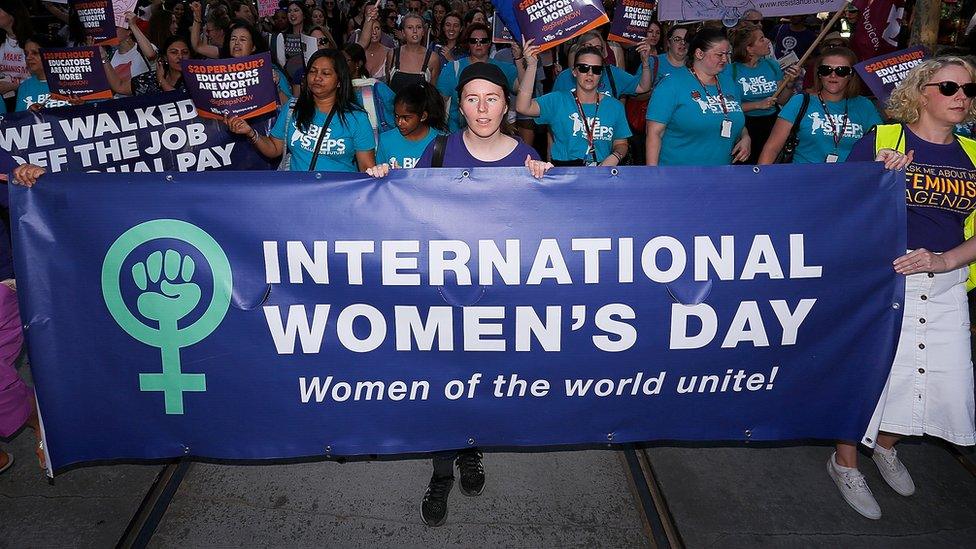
(843,128)
(590,129)
(718,86)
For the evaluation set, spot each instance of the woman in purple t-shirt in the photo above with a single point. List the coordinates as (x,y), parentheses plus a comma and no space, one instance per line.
(486,141)
(930,387)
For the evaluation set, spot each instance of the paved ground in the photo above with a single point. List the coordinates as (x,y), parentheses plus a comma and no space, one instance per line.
(715,497)
(566,499)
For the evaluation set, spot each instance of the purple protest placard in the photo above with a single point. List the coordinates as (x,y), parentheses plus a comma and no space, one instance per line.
(883,73)
(552,22)
(98,19)
(75,73)
(630,21)
(234,87)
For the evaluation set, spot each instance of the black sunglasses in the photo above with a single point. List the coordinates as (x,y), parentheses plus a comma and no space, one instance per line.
(949,88)
(479,40)
(843,72)
(583,68)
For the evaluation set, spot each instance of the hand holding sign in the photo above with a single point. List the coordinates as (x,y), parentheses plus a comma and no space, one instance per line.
(552,22)
(530,52)
(243,86)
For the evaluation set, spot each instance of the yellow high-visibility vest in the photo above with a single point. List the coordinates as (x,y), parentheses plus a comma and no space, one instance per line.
(892,136)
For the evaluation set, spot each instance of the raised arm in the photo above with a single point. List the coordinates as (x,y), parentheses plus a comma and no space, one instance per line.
(206,50)
(524,103)
(145,46)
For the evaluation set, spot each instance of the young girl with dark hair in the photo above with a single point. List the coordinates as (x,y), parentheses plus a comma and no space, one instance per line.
(326,130)
(420,117)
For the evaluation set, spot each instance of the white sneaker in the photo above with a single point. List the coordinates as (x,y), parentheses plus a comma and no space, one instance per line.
(893,470)
(854,488)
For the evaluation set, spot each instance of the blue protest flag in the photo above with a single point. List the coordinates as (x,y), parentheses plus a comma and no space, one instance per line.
(506,10)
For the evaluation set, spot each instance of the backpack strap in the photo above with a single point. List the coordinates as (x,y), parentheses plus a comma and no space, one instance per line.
(423,69)
(437,156)
(613,84)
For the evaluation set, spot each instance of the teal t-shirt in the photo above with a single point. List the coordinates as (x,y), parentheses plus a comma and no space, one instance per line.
(339,146)
(625,82)
(448,80)
(608,121)
(32,91)
(394,147)
(665,68)
(757,83)
(815,138)
(693,117)
(283,84)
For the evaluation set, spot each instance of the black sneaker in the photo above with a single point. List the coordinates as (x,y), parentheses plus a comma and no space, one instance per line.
(433,510)
(472,473)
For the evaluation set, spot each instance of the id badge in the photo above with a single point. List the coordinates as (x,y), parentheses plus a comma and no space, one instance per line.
(831,158)
(726,128)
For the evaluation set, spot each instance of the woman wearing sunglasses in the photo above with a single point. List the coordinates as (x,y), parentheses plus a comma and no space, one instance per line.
(588,128)
(836,115)
(695,115)
(614,81)
(478,39)
(930,387)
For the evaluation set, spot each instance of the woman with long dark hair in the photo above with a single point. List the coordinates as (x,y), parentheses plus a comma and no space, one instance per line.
(167,76)
(298,17)
(448,37)
(326,130)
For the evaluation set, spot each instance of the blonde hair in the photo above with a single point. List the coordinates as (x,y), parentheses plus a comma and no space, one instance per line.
(741,37)
(905,102)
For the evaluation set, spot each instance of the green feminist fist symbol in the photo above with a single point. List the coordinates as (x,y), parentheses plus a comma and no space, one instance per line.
(168,293)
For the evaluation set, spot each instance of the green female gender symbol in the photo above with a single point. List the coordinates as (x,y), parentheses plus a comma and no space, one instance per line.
(168,337)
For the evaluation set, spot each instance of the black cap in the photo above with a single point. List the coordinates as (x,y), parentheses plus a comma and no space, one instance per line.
(483,71)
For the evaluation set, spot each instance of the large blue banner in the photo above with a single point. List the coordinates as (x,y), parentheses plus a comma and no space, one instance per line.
(138,134)
(272,315)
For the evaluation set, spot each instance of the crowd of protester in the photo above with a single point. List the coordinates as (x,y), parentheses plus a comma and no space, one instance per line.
(421,83)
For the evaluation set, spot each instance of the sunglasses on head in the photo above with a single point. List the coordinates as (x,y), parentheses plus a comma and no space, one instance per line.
(584,68)
(843,72)
(949,88)
(484,40)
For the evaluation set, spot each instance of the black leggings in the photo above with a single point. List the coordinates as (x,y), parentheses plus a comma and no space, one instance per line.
(759,128)
(444,461)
